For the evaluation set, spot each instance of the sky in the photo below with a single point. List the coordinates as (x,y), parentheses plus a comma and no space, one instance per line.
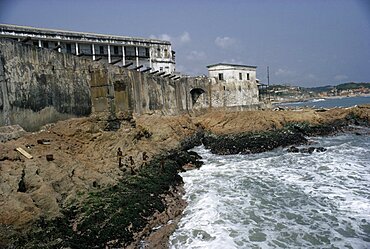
(303,42)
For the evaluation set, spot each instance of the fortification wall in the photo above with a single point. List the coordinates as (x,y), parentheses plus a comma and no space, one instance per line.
(40,86)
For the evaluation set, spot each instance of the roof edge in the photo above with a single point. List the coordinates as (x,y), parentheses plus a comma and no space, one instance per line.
(229,64)
(107,36)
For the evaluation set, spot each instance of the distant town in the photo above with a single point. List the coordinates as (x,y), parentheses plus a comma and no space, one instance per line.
(288,93)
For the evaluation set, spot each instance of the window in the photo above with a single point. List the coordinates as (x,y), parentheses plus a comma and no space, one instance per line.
(130,52)
(45,44)
(240,76)
(167,69)
(221,76)
(247,76)
(36,43)
(69,48)
(143,52)
(165,53)
(115,50)
(161,69)
(101,50)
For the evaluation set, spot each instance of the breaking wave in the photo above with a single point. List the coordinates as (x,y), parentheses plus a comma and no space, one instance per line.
(280,200)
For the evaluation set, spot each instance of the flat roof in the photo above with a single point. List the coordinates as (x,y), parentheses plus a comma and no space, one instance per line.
(18,28)
(228,64)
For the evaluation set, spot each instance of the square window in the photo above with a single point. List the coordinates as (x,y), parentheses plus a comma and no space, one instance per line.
(221,76)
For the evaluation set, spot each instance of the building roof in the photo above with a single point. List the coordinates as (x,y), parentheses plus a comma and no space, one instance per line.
(228,64)
(28,29)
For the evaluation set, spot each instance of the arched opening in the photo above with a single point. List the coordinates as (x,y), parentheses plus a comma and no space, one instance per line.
(195,93)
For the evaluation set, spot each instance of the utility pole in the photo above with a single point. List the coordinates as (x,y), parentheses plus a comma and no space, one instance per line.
(268,82)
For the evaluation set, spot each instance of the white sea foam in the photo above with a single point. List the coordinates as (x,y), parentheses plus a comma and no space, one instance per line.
(278,199)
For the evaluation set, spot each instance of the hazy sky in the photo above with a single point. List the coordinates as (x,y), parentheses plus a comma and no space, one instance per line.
(306,43)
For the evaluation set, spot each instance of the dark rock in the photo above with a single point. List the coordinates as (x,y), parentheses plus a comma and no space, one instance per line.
(309,150)
(252,142)
(293,149)
(320,149)
(49,157)
(192,141)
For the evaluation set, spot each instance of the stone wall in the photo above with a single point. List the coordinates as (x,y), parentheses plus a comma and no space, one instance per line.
(39,86)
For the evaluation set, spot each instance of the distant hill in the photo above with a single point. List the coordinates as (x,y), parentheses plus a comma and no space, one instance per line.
(352,85)
(343,86)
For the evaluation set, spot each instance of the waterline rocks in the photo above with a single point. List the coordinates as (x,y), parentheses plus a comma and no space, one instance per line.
(310,150)
(252,142)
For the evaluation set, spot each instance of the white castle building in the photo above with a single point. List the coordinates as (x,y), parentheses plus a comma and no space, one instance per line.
(148,54)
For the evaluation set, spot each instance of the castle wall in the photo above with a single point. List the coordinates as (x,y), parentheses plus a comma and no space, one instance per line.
(40,86)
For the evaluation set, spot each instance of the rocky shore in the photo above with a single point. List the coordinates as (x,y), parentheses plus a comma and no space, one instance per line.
(80,197)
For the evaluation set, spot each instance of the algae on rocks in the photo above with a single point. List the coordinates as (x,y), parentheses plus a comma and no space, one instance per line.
(111,216)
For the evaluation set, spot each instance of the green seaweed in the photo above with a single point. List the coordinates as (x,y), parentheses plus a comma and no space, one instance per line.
(112,215)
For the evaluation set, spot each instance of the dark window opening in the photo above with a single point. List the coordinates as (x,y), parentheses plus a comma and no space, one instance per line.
(115,50)
(195,94)
(69,48)
(36,43)
(221,76)
(143,52)
(247,76)
(224,88)
(240,76)
(101,50)
(130,53)
(165,53)
(45,44)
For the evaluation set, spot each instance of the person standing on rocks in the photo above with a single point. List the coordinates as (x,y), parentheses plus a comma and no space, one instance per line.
(132,165)
(145,159)
(119,157)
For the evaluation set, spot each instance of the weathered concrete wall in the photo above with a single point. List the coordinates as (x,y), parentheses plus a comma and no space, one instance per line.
(39,86)
(221,94)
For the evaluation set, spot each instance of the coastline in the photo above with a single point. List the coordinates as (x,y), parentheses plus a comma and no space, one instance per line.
(97,169)
(317,97)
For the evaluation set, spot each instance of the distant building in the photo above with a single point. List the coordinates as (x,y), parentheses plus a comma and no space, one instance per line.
(232,72)
(118,50)
(239,84)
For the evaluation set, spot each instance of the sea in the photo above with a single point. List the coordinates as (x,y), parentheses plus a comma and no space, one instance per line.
(278,199)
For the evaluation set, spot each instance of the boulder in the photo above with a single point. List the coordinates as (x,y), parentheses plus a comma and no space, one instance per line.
(11,132)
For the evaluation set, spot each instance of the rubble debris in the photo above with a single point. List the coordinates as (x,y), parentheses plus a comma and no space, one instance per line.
(24,153)
(50,157)
(43,141)
(11,132)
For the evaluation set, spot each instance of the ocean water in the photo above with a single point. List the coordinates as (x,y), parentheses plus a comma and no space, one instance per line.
(280,200)
(330,103)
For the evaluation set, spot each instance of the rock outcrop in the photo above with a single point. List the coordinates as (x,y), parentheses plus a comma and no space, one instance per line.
(80,195)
